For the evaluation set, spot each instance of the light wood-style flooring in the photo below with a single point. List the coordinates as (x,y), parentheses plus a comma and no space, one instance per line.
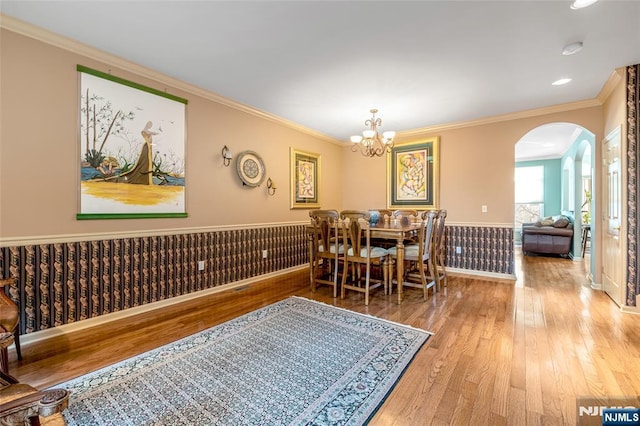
(503,352)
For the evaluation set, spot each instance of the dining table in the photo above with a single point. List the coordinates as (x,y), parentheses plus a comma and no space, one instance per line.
(391,229)
(398,231)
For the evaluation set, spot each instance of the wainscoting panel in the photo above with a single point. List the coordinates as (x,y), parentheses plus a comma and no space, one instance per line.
(488,249)
(633,183)
(61,283)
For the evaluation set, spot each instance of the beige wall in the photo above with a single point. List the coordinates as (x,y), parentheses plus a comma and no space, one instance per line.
(476,167)
(614,107)
(39,152)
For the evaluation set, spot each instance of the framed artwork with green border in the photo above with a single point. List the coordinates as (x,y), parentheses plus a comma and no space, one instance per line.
(305,179)
(131,149)
(412,175)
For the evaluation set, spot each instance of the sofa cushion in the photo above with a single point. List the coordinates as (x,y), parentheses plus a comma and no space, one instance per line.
(560,221)
(547,230)
(547,221)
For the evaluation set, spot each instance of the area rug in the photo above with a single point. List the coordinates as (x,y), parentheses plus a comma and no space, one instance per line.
(295,362)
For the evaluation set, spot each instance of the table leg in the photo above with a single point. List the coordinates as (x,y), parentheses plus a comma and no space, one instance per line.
(400,266)
(311,261)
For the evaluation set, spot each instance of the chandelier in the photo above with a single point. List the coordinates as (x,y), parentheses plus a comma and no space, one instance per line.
(371,143)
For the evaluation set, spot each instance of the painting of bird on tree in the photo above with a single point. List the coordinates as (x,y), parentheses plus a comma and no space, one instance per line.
(132,149)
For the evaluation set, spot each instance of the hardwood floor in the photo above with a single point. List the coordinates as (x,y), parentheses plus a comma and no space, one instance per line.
(502,352)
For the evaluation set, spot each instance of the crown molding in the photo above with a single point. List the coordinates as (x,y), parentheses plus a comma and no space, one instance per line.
(587,103)
(45,36)
(611,83)
(23,28)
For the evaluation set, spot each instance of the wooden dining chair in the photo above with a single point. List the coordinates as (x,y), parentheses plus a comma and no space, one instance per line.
(419,258)
(385,217)
(406,216)
(439,248)
(326,249)
(9,319)
(359,252)
(385,214)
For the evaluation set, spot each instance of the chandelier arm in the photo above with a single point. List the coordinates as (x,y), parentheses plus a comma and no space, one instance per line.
(374,145)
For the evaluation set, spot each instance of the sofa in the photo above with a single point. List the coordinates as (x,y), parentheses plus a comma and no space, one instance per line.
(550,235)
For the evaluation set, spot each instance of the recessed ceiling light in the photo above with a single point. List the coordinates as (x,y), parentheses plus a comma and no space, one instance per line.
(561,81)
(579,4)
(572,48)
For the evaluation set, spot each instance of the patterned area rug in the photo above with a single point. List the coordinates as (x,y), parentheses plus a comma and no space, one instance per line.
(291,363)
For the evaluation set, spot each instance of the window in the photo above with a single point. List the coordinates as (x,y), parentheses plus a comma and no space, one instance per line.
(529,186)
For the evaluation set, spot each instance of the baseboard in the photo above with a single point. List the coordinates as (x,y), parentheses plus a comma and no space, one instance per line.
(634,310)
(596,286)
(485,274)
(27,339)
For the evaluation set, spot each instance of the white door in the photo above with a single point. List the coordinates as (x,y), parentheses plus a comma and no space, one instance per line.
(612,249)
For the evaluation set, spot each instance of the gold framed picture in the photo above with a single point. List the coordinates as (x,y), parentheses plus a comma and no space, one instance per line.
(412,175)
(305,179)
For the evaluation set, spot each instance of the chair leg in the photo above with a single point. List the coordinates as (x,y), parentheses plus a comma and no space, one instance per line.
(344,279)
(314,268)
(4,360)
(390,267)
(335,278)
(16,340)
(423,278)
(444,271)
(366,284)
(385,275)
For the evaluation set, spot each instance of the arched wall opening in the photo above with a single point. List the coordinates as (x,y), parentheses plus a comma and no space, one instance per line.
(563,154)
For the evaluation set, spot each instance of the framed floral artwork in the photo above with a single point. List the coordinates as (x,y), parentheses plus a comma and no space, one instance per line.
(305,179)
(412,175)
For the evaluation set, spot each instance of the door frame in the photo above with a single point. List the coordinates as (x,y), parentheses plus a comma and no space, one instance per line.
(622,232)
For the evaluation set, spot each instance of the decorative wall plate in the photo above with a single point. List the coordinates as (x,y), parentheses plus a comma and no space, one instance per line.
(250,168)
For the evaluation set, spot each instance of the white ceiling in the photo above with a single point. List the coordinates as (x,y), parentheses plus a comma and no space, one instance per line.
(547,141)
(325,64)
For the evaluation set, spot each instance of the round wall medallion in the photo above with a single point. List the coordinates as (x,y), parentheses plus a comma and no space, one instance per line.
(250,168)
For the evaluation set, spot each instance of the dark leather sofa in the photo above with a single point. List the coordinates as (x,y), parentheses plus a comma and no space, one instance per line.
(547,239)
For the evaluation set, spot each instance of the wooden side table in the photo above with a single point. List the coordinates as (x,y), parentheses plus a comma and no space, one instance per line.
(586,236)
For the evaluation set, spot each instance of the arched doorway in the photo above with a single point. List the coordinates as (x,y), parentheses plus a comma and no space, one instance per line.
(562,153)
